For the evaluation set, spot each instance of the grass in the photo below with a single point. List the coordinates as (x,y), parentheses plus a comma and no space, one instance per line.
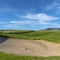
(4,56)
(53,36)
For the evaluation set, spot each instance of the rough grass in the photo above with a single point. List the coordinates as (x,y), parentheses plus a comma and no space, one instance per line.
(4,56)
(53,36)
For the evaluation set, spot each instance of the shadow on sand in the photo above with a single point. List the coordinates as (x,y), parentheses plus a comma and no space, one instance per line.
(3,39)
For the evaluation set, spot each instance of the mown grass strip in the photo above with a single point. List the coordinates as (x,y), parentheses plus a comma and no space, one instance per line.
(4,56)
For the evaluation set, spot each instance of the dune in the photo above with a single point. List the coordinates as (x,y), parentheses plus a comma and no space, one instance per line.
(30,47)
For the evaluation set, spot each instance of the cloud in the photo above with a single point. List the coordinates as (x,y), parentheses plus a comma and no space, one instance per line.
(8,10)
(55,5)
(41,17)
(22,22)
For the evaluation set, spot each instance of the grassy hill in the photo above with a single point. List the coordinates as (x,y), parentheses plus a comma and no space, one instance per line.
(53,29)
(50,35)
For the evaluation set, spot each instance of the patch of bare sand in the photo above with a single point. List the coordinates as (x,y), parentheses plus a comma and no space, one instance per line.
(30,47)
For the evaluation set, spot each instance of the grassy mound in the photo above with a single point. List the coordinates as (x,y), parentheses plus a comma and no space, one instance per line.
(53,36)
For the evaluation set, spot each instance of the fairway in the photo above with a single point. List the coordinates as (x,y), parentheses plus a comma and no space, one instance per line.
(50,35)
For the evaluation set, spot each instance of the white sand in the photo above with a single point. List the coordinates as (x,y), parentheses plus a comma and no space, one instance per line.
(30,47)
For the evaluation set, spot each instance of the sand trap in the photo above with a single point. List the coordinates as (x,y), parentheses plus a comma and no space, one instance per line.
(30,47)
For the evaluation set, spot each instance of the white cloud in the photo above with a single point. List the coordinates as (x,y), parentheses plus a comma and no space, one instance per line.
(43,22)
(41,17)
(54,5)
(22,22)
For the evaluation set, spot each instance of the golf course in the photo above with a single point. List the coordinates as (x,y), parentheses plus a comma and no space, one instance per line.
(30,44)
(29,29)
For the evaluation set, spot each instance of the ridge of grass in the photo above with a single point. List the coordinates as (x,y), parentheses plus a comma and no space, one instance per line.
(4,56)
(53,36)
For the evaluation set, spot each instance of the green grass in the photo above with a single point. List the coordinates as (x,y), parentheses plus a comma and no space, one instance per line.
(53,36)
(4,56)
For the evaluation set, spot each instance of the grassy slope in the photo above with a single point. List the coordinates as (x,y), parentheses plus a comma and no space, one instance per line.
(53,36)
(4,56)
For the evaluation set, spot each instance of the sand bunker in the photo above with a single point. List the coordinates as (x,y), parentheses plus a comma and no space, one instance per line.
(30,47)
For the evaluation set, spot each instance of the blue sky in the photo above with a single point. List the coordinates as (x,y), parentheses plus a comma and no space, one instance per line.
(29,14)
